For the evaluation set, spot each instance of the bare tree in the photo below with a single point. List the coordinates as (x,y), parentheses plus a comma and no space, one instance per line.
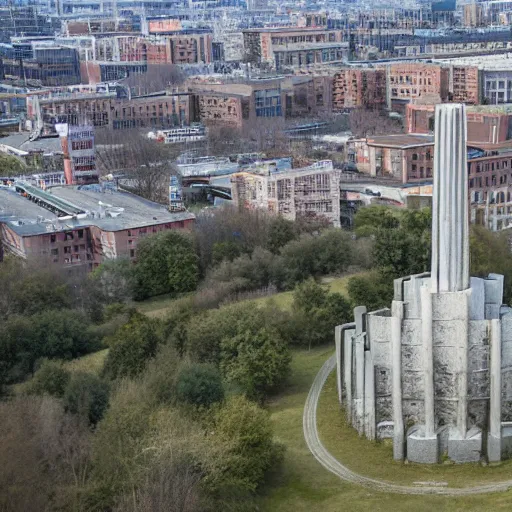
(145,165)
(158,77)
(366,122)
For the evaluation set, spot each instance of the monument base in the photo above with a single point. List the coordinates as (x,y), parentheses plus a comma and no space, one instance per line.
(493,448)
(465,449)
(421,449)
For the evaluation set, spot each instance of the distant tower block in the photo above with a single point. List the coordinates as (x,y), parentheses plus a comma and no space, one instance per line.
(450,222)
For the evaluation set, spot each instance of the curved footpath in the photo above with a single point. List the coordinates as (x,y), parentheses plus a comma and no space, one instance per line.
(335,466)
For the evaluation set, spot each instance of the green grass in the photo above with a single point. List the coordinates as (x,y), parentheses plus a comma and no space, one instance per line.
(160,306)
(91,363)
(375,459)
(302,484)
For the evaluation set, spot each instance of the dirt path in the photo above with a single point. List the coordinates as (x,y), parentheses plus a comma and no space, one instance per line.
(335,466)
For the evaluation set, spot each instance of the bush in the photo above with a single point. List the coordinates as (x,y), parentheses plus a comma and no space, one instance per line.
(327,253)
(166,263)
(280,232)
(373,290)
(200,385)
(87,395)
(51,378)
(317,312)
(258,361)
(52,334)
(244,432)
(131,347)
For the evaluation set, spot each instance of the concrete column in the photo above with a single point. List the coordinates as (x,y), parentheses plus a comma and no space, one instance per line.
(347,372)
(359,340)
(450,221)
(428,360)
(494,438)
(396,372)
(462,364)
(369,396)
(339,361)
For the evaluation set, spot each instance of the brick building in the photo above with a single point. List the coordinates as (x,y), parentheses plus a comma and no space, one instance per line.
(403,158)
(358,88)
(308,95)
(417,83)
(246,105)
(487,125)
(109,110)
(294,47)
(68,228)
(464,85)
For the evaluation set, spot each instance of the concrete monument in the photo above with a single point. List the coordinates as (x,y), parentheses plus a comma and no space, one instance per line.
(434,372)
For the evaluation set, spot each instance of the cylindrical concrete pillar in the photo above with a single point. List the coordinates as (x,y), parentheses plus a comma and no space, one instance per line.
(428,359)
(495,380)
(396,389)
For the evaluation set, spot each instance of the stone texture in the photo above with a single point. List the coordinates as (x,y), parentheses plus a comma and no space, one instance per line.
(465,449)
(421,449)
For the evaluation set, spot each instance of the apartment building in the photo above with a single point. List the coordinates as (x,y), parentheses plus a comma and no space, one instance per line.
(308,95)
(417,83)
(312,191)
(358,88)
(247,105)
(109,110)
(488,125)
(294,47)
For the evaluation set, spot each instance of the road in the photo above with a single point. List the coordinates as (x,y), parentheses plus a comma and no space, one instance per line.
(335,466)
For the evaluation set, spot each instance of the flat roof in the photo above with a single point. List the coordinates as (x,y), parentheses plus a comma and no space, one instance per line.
(402,141)
(108,209)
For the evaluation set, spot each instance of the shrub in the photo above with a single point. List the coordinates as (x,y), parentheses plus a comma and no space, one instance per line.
(373,290)
(51,378)
(258,361)
(244,432)
(317,313)
(131,347)
(200,385)
(280,232)
(87,395)
(166,263)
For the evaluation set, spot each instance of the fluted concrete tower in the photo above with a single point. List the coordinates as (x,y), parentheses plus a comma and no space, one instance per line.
(450,218)
(434,372)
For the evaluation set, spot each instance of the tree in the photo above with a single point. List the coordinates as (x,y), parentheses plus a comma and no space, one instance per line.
(258,361)
(51,378)
(490,253)
(367,122)
(317,312)
(115,279)
(281,231)
(11,166)
(87,395)
(244,431)
(146,165)
(166,263)
(373,290)
(199,385)
(132,347)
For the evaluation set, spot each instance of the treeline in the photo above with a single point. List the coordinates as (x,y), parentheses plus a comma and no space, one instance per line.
(231,252)
(402,246)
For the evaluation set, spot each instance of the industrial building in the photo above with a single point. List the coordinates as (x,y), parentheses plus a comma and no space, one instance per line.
(79,226)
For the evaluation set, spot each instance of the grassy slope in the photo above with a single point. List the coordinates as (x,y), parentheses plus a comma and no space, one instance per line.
(304,485)
(159,306)
(91,363)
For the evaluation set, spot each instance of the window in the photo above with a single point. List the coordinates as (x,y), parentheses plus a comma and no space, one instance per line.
(53,238)
(68,235)
(82,247)
(67,249)
(80,233)
(55,252)
(132,253)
